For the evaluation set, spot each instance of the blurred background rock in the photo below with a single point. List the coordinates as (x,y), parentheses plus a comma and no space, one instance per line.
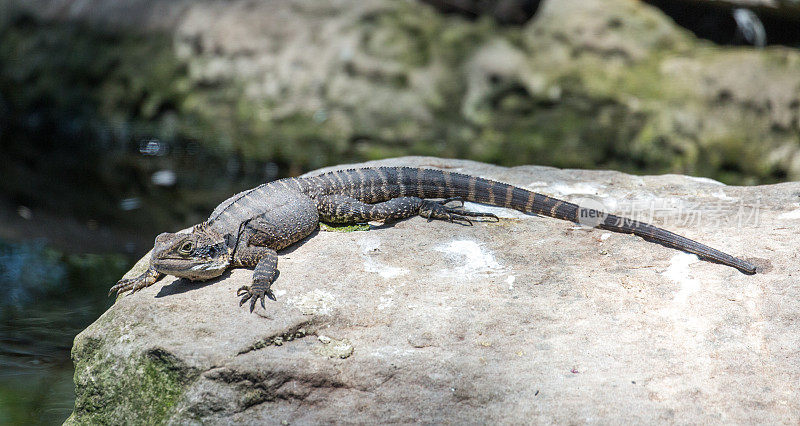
(119,120)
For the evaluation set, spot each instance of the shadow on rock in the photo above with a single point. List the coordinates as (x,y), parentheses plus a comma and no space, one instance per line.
(183,285)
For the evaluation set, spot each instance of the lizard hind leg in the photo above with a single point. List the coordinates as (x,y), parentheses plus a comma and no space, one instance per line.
(343,209)
(439,210)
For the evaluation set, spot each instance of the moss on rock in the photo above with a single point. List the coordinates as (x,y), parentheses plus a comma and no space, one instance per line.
(344,228)
(110,389)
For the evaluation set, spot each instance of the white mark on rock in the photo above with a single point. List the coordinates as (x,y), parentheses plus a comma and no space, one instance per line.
(794,214)
(391,352)
(609,203)
(753,299)
(704,180)
(385,302)
(497,211)
(689,326)
(370,246)
(678,271)
(722,195)
(604,236)
(314,302)
(577,188)
(472,257)
(687,313)
(510,281)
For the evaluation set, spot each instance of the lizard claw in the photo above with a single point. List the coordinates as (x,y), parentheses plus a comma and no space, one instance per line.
(122,285)
(450,200)
(244,293)
(146,279)
(254,295)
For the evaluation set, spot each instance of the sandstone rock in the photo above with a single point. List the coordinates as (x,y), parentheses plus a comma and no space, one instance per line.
(586,83)
(529,320)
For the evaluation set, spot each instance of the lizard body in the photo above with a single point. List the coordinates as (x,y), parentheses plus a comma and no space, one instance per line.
(247,229)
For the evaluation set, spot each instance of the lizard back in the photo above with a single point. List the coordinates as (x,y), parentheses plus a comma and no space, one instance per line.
(371,185)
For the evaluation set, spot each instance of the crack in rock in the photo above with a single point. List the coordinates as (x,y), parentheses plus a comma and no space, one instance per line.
(255,388)
(297,332)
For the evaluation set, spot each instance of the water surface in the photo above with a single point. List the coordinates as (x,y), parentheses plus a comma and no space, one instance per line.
(46,298)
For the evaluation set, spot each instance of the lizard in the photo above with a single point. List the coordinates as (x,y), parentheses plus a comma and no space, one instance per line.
(248,229)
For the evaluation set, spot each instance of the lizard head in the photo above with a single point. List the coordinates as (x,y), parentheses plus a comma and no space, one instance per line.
(201,254)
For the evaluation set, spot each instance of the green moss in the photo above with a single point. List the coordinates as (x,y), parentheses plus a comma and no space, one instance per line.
(344,228)
(255,396)
(145,387)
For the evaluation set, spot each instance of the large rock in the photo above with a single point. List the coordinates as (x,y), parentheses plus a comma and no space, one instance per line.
(527,320)
(614,83)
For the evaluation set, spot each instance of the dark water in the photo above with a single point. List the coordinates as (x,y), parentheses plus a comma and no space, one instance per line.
(65,194)
(46,298)
(67,234)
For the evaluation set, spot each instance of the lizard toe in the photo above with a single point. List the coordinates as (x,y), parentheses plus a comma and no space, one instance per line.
(248,293)
(447,201)
(122,286)
(438,210)
(255,297)
(117,288)
(245,294)
(463,212)
(463,215)
(458,218)
(146,279)
(138,285)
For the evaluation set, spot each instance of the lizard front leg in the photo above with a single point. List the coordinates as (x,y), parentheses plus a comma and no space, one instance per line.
(343,209)
(264,260)
(146,279)
(258,240)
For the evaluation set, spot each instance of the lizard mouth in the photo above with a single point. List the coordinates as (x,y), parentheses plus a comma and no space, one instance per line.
(193,269)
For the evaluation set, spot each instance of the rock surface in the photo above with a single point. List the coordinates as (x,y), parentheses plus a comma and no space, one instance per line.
(526,320)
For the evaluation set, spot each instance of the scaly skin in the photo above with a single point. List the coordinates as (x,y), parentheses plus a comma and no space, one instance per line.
(249,228)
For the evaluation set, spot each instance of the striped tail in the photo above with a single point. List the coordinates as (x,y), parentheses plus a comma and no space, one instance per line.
(380,184)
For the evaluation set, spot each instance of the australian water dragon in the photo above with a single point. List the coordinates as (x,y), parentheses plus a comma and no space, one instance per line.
(247,229)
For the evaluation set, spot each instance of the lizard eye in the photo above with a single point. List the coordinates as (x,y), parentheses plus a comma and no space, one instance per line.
(186,247)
